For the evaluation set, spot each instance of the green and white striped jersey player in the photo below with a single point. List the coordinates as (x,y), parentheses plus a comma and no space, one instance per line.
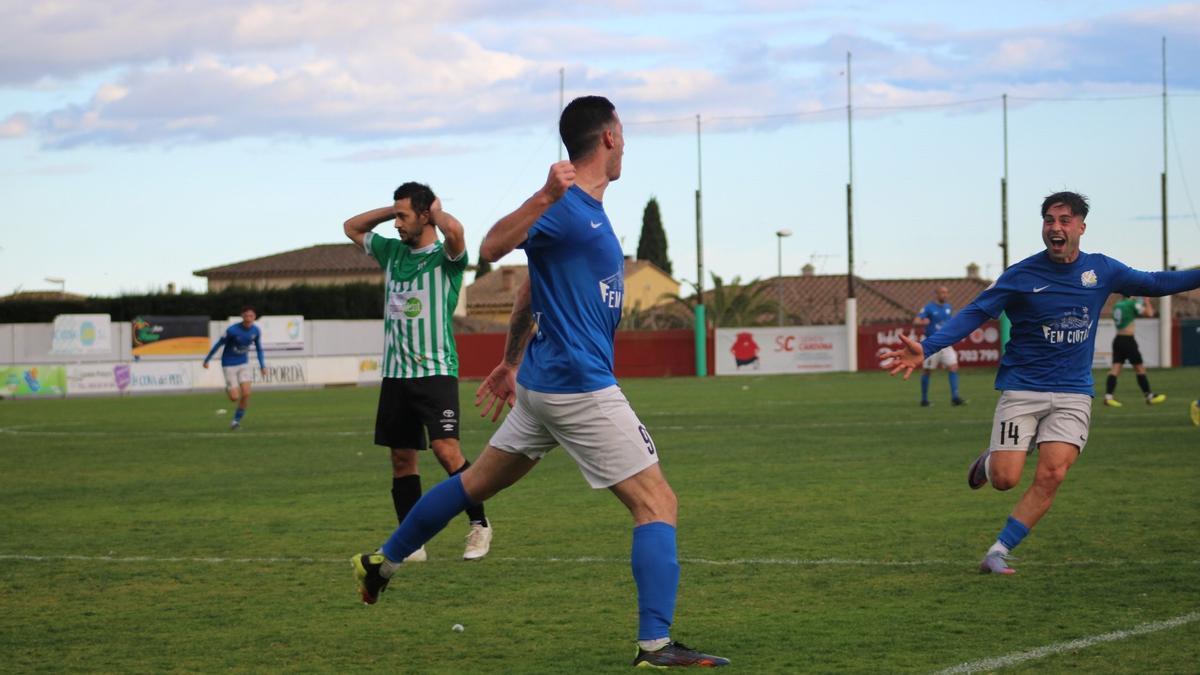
(421,287)
(419,394)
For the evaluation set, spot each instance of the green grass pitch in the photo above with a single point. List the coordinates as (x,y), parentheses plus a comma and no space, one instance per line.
(825,526)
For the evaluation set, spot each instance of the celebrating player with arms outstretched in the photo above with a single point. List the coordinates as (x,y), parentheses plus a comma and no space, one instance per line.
(1053,299)
(565,392)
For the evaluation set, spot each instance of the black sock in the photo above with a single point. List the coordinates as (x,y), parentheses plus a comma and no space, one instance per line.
(474,512)
(405,493)
(1111,385)
(1144,383)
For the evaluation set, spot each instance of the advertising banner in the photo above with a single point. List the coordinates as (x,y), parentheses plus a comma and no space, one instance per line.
(279,333)
(32,381)
(980,349)
(94,378)
(370,370)
(155,335)
(797,349)
(78,334)
(282,372)
(145,377)
(1145,331)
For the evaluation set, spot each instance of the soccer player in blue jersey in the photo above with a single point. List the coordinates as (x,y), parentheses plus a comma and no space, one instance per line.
(935,313)
(235,361)
(1053,299)
(557,374)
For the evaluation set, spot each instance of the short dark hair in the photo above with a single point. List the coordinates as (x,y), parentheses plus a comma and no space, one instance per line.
(248,308)
(1072,200)
(420,195)
(581,123)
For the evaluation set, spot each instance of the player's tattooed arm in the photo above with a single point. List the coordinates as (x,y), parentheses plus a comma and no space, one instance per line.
(520,326)
(357,227)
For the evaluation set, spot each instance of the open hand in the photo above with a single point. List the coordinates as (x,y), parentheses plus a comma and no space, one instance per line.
(498,388)
(906,359)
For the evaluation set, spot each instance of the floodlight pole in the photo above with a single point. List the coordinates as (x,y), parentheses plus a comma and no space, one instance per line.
(1005,323)
(562,76)
(1165,326)
(701,326)
(851,301)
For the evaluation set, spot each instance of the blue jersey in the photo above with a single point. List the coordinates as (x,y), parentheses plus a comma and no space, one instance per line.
(1054,308)
(577,283)
(937,314)
(237,341)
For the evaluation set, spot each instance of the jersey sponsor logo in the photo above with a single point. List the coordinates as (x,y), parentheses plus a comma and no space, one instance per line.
(1040,289)
(612,290)
(594,224)
(1088,278)
(447,413)
(1073,328)
(408,304)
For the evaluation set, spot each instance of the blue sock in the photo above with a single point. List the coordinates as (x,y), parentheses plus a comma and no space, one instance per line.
(1012,534)
(432,512)
(656,573)
(953,384)
(237,416)
(924,386)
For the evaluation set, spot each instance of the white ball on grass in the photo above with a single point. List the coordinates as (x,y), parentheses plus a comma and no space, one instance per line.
(457,628)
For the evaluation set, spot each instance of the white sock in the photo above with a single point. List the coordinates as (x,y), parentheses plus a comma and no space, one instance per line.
(987,467)
(998,547)
(388,568)
(654,645)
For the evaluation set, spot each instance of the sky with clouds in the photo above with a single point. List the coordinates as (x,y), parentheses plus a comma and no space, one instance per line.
(141,140)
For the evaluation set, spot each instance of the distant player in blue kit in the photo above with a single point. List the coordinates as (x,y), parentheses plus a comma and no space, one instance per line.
(1053,299)
(235,361)
(933,316)
(557,373)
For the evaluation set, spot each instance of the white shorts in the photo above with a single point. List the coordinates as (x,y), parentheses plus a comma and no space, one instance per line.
(235,375)
(1025,418)
(946,358)
(598,429)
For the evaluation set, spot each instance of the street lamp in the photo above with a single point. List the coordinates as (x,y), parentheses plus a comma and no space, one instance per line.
(779,235)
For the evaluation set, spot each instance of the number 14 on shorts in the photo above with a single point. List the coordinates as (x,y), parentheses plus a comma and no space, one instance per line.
(1010,431)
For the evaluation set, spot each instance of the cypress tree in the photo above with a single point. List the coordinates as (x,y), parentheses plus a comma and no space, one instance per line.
(652,245)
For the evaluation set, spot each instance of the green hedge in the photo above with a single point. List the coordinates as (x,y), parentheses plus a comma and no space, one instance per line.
(351,301)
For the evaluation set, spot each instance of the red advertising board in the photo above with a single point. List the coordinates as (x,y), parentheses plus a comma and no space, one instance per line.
(980,349)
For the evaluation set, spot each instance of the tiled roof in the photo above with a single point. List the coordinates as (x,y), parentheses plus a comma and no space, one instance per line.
(821,299)
(320,259)
(496,288)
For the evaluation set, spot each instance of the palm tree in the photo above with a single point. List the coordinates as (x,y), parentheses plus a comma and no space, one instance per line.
(734,304)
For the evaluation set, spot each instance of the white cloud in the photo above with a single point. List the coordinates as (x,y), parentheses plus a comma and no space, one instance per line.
(386,70)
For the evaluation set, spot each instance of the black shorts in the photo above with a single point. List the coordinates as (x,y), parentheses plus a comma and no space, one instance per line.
(410,407)
(1125,349)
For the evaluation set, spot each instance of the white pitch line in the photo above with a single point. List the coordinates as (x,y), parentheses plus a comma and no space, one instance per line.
(1073,645)
(737,562)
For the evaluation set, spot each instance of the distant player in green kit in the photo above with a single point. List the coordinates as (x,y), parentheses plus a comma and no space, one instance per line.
(419,396)
(1125,348)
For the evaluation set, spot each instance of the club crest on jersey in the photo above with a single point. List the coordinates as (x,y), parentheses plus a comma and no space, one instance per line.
(612,290)
(1088,278)
(1072,328)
